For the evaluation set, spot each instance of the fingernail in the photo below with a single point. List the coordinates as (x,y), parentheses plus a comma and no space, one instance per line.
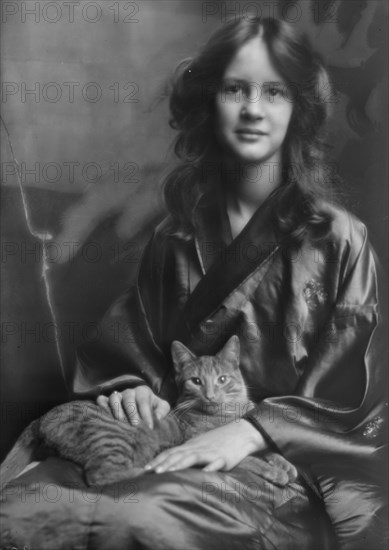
(159,470)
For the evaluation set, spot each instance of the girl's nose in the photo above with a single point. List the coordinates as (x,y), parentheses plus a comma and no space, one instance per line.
(253,105)
(253,109)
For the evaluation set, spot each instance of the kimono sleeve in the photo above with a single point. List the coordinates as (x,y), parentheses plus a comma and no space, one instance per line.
(339,410)
(127,353)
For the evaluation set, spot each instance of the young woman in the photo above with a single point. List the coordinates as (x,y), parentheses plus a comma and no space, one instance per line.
(253,246)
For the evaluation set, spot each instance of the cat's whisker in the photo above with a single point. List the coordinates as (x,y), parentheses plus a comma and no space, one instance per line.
(185,407)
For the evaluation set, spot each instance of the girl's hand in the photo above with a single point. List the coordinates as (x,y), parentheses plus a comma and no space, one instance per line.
(219,449)
(135,404)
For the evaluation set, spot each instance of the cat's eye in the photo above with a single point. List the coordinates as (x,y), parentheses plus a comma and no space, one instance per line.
(196,381)
(222,379)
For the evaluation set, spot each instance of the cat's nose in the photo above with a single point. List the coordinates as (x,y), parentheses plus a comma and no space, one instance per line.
(210,396)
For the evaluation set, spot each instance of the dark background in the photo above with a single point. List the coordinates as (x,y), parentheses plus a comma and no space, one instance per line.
(115,57)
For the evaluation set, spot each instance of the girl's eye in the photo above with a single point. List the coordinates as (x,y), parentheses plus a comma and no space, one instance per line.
(273,91)
(222,379)
(196,381)
(231,88)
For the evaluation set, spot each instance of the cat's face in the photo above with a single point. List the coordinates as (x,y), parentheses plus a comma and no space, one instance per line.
(209,380)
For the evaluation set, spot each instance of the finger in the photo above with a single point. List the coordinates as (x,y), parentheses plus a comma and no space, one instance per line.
(180,461)
(102,401)
(184,458)
(144,407)
(161,408)
(130,408)
(115,403)
(159,459)
(214,466)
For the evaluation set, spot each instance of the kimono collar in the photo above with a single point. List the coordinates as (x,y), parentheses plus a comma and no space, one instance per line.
(226,262)
(214,240)
(213,230)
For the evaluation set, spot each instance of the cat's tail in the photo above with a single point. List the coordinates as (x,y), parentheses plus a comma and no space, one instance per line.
(21,454)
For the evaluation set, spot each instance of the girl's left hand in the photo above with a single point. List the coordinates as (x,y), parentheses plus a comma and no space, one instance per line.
(219,449)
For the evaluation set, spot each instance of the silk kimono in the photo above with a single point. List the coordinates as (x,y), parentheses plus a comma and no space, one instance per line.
(310,322)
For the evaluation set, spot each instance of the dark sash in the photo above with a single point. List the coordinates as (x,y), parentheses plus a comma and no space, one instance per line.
(225,265)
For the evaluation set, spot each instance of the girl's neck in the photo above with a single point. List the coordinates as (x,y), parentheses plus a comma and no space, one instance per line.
(246,187)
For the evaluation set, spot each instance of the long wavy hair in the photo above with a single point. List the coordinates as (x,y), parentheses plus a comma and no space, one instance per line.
(195,83)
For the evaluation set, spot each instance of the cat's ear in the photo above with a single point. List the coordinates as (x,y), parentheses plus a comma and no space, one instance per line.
(181,355)
(230,352)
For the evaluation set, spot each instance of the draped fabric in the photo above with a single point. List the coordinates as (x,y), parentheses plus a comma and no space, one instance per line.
(310,322)
(313,340)
(51,508)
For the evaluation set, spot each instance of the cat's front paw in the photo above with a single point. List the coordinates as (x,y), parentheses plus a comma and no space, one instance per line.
(283,471)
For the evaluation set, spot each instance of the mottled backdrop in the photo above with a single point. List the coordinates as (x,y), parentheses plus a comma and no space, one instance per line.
(85,118)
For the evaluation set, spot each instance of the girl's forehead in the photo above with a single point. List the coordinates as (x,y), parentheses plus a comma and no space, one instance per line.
(252,63)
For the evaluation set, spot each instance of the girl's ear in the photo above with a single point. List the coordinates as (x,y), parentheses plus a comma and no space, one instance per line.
(230,352)
(181,355)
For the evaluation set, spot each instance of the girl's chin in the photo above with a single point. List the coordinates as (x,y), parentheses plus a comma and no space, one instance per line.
(248,153)
(248,157)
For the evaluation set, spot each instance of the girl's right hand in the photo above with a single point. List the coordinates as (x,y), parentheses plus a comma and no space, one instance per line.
(135,404)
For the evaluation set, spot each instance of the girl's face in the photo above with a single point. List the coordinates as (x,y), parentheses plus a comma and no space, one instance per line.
(252,109)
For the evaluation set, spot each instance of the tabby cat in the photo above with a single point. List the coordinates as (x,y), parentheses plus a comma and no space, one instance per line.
(211,393)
